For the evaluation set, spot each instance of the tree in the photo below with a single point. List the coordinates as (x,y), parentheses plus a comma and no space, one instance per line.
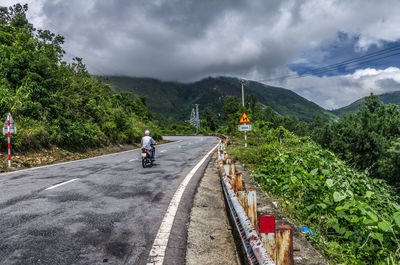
(250,102)
(231,112)
(368,139)
(210,119)
(56,103)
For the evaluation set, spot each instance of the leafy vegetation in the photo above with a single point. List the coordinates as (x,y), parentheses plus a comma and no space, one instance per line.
(368,139)
(176,100)
(56,103)
(356,218)
(169,125)
(387,98)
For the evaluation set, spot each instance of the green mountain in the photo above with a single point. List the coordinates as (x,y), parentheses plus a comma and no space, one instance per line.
(387,98)
(176,99)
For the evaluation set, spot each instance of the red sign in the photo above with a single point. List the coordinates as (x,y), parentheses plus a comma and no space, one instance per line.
(267,224)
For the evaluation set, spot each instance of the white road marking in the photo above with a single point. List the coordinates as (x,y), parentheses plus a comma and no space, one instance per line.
(133,159)
(162,151)
(157,252)
(58,185)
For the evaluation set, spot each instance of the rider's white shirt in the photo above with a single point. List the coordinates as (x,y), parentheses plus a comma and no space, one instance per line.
(147,141)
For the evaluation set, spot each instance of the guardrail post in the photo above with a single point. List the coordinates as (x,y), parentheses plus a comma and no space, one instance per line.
(238,182)
(232,169)
(241,195)
(226,168)
(267,233)
(284,245)
(221,154)
(252,207)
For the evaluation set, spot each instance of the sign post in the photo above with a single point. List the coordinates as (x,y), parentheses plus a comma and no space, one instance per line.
(243,120)
(9,128)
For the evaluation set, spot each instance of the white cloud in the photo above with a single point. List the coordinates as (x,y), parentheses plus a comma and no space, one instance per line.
(338,91)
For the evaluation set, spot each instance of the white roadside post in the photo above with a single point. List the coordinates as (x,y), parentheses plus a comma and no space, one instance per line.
(9,128)
(9,142)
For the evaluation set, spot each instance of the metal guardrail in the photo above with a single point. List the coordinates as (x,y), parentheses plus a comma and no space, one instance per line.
(252,245)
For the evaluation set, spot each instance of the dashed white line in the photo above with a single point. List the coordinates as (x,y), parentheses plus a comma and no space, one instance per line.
(133,159)
(157,252)
(162,151)
(60,184)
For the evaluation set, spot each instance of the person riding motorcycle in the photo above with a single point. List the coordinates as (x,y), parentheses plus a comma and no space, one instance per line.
(148,142)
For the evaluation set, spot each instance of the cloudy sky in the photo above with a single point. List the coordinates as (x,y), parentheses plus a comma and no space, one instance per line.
(186,40)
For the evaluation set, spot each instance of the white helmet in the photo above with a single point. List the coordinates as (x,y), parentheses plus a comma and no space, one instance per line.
(147,132)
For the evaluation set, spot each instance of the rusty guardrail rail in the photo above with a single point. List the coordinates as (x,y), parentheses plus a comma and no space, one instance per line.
(271,245)
(255,252)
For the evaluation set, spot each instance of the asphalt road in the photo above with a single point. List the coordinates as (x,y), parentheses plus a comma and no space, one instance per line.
(109,212)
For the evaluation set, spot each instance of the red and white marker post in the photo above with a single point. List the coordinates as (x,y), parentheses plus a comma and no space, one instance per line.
(9,141)
(245,138)
(9,128)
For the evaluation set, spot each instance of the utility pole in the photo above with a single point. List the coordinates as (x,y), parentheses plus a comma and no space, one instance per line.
(197,118)
(243,93)
(245,132)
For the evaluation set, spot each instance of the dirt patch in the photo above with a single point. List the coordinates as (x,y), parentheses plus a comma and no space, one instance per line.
(210,239)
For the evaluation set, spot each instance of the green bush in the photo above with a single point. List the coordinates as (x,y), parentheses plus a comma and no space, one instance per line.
(356,219)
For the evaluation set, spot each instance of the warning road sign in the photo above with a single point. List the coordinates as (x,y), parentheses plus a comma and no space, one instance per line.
(244,118)
(13,128)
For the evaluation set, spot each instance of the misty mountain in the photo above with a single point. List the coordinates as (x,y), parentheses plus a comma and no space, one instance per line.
(177,99)
(387,98)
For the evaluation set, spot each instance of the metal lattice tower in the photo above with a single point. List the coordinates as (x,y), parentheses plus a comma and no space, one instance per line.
(197,118)
(192,120)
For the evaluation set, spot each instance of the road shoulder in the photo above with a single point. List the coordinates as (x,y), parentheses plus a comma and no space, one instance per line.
(210,239)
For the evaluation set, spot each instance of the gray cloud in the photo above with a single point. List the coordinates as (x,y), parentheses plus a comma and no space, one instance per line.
(189,39)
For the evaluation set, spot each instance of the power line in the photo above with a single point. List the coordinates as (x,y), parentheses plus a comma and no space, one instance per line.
(350,63)
(361,58)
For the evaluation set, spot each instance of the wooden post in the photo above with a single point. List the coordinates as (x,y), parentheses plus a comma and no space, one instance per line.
(252,207)
(284,245)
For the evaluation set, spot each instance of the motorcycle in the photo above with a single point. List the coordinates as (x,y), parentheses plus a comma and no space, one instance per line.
(147,159)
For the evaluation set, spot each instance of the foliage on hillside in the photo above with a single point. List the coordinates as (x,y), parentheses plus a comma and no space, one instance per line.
(169,125)
(355,218)
(387,98)
(368,139)
(176,99)
(262,115)
(56,103)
